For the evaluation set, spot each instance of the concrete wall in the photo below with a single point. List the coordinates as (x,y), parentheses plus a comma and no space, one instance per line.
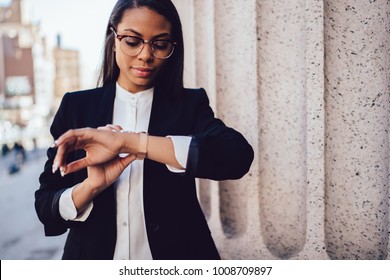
(308,84)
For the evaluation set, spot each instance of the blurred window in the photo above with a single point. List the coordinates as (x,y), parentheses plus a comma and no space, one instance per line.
(17,85)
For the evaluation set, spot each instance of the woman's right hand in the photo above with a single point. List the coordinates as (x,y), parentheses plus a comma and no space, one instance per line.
(104,174)
(101,145)
(100,176)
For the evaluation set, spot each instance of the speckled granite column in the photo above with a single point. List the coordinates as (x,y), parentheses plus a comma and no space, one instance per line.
(357,69)
(235,32)
(205,75)
(315,237)
(282,153)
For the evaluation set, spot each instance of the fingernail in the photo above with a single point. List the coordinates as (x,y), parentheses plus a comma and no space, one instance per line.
(54,144)
(55,167)
(62,171)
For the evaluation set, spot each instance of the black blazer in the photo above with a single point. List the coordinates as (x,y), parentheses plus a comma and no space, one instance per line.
(175,225)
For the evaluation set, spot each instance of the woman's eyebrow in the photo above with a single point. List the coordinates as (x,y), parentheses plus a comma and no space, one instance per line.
(165,34)
(132,30)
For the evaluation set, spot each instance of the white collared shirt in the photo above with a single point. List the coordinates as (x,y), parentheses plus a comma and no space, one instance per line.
(132,113)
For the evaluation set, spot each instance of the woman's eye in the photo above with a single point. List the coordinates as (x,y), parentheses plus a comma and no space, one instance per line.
(133,42)
(161,45)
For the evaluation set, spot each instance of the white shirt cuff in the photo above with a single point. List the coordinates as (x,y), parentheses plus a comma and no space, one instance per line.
(181,146)
(68,210)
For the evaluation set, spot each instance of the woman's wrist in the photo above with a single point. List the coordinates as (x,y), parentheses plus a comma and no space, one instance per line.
(129,142)
(142,146)
(83,194)
(135,143)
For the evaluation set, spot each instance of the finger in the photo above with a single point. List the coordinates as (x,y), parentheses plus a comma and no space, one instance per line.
(71,140)
(108,128)
(65,144)
(64,138)
(78,136)
(114,127)
(74,166)
(127,160)
(59,158)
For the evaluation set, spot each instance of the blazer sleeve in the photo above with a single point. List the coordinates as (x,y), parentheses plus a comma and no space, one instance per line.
(53,185)
(216,151)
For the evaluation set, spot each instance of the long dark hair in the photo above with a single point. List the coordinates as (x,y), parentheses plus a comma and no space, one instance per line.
(170,79)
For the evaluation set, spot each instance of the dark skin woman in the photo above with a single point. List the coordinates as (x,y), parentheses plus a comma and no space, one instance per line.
(121,173)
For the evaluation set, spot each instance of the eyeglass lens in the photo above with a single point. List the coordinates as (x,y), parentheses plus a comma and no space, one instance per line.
(133,46)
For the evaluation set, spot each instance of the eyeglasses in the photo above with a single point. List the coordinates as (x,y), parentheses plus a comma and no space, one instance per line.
(133,46)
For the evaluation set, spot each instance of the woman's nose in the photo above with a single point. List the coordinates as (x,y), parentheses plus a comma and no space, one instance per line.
(146,53)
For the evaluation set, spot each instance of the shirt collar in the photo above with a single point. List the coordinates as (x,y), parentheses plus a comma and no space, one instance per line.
(126,96)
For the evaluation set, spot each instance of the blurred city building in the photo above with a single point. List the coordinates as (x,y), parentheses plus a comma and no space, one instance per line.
(67,71)
(32,75)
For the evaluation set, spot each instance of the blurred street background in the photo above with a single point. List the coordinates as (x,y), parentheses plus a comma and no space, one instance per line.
(22,235)
(43,55)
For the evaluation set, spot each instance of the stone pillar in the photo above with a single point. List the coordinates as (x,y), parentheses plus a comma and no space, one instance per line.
(315,238)
(310,90)
(205,77)
(357,69)
(235,60)
(282,101)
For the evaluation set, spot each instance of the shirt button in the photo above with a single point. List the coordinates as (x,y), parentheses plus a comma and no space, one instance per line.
(124,224)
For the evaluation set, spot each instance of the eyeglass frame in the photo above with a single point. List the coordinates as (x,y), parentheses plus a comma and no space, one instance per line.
(150,42)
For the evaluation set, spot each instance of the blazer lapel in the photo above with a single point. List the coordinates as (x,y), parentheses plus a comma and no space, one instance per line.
(164,115)
(105,107)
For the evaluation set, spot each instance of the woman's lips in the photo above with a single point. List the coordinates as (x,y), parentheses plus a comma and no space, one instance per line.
(143,72)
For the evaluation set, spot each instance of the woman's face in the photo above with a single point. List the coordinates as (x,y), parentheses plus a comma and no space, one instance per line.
(138,73)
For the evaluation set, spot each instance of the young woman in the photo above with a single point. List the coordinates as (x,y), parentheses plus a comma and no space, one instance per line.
(121,175)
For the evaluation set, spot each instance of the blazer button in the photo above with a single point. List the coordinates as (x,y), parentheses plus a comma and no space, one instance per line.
(155,227)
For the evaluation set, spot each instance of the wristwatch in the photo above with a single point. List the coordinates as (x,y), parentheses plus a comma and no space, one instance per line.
(143,145)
